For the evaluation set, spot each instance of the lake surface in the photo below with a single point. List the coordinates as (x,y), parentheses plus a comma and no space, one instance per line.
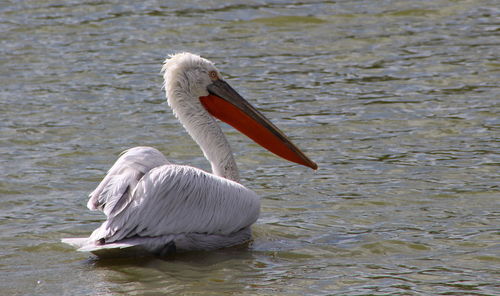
(397,102)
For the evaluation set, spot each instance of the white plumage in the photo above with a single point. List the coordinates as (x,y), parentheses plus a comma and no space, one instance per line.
(155,206)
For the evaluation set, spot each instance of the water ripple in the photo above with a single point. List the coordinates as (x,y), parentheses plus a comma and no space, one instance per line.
(395,100)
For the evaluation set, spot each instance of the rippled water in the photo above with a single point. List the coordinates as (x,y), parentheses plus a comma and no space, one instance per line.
(397,101)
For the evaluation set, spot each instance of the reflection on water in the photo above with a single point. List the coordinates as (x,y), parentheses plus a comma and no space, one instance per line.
(395,100)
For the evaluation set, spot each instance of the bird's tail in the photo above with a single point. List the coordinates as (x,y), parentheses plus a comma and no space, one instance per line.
(136,246)
(76,242)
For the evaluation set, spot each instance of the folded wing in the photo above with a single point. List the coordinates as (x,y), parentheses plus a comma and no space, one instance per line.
(113,194)
(168,199)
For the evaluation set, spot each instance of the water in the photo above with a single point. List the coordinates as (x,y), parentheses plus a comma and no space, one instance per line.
(397,101)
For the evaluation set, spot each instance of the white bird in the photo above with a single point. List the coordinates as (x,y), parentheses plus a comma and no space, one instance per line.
(158,207)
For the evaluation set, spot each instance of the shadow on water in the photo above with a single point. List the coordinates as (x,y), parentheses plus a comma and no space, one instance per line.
(206,272)
(194,258)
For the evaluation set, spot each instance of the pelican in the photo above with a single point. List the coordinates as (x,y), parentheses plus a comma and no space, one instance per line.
(158,207)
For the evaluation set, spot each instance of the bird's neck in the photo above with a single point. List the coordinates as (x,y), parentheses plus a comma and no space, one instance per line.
(208,135)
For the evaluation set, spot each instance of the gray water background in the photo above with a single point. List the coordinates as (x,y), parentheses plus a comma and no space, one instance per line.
(397,101)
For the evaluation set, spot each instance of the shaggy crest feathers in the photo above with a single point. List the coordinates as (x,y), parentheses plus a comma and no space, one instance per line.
(184,71)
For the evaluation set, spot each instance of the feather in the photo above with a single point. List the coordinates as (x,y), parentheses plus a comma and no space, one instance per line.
(113,193)
(175,199)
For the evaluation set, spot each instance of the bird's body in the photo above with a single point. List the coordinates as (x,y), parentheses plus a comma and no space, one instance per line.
(155,206)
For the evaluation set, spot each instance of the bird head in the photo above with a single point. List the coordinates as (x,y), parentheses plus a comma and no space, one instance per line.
(193,81)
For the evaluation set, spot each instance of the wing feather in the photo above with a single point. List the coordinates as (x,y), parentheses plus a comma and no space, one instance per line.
(114,192)
(174,199)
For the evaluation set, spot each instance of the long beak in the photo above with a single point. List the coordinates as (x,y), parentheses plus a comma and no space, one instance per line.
(224,103)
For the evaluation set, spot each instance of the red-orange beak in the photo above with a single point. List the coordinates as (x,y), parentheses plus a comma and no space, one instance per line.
(224,103)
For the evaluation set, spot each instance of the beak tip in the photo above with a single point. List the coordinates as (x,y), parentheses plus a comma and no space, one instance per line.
(311,164)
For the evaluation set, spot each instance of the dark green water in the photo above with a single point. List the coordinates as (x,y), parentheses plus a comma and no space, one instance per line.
(397,101)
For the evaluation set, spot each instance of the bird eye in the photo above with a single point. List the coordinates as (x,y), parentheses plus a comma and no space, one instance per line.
(213,75)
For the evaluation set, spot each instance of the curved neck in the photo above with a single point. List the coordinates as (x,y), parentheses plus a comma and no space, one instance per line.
(207,133)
